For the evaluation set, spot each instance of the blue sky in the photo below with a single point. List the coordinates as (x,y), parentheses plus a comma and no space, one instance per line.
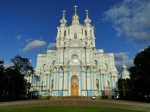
(29,27)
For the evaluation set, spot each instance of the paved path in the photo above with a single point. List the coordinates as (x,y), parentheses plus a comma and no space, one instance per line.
(79,102)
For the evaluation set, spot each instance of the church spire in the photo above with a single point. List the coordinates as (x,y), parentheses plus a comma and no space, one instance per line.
(124,66)
(75,9)
(63,20)
(87,21)
(75,18)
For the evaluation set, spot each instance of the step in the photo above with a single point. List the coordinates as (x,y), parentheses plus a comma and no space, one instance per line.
(74,97)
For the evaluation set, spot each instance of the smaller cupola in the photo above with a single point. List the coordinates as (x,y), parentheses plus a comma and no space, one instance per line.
(63,21)
(87,21)
(125,73)
(75,18)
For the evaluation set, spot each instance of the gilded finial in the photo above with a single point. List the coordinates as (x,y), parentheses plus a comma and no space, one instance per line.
(86,13)
(63,13)
(87,10)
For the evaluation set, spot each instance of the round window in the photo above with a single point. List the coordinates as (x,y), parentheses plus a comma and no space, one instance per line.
(74,58)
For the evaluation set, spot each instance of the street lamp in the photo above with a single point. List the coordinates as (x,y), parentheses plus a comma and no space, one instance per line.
(86,72)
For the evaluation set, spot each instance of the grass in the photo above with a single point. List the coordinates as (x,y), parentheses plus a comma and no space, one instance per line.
(65,109)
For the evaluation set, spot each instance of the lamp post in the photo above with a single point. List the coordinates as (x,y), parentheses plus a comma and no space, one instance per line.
(39,79)
(63,67)
(50,91)
(86,72)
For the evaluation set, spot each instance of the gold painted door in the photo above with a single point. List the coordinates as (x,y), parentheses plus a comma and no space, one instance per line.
(74,85)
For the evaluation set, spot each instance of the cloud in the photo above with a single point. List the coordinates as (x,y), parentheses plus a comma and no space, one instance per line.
(28,40)
(119,57)
(141,50)
(34,44)
(51,46)
(18,37)
(7,64)
(128,63)
(131,18)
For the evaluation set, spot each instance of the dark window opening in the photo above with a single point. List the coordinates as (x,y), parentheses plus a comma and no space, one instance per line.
(75,35)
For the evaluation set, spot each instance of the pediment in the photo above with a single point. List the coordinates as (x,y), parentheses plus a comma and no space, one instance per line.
(74,44)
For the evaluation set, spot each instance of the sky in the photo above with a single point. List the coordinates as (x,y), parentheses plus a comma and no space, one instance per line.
(29,27)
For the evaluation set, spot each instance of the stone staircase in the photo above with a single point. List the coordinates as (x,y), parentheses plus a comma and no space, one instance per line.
(74,97)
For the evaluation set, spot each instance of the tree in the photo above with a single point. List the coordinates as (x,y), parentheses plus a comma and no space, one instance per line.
(125,88)
(1,76)
(1,67)
(22,64)
(12,81)
(140,73)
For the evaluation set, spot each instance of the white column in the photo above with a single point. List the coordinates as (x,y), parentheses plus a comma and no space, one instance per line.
(99,77)
(83,79)
(94,76)
(88,82)
(65,79)
(55,81)
(116,78)
(49,82)
(112,81)
(60,82)
(105,79)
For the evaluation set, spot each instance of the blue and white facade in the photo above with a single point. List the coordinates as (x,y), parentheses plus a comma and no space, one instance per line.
(76,67)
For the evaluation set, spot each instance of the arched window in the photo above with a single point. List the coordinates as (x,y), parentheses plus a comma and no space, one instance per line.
(44,65)
(52,84)
(108,84)
(85,32)
(59,33)
(91,32)
(65,33)
(96,63)
(75,35)
(88,69)
(53,64)
(42,86)
(97,84)
(106,66)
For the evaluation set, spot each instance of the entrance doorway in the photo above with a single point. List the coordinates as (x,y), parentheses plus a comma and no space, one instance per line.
(74,85)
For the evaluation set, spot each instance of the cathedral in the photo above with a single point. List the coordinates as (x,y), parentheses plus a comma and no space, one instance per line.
(75,67)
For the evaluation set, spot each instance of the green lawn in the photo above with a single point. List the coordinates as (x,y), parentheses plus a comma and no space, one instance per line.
(65,109)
